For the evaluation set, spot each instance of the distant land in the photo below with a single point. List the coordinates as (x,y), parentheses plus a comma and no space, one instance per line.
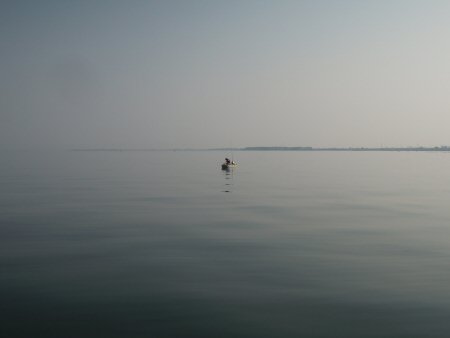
(277,148)
(441,148)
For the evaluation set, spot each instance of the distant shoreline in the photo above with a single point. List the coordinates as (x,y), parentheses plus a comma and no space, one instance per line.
(403,149)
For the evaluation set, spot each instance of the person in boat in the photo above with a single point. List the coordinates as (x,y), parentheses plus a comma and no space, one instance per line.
(227,161)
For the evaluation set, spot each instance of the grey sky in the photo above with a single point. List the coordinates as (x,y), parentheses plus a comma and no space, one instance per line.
(219,73)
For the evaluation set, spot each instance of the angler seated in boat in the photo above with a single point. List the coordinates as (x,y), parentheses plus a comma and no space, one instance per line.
(228,164)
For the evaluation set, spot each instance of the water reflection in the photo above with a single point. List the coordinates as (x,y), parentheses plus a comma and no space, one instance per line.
(228,174)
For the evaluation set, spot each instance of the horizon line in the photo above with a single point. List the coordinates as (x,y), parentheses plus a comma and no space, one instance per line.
(277,148)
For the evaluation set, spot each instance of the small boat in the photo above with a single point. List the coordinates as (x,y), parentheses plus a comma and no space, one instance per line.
(227,166)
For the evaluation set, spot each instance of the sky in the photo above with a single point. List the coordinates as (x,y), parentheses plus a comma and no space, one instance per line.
(205,74)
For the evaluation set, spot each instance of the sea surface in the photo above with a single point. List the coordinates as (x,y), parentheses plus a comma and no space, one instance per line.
(166,244)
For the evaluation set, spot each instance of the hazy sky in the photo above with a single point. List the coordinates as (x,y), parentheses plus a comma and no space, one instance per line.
(152,74)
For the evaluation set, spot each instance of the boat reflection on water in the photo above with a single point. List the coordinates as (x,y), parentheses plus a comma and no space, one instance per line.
(228,169)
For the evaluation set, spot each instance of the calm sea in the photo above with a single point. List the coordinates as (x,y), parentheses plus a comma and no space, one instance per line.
(165,244)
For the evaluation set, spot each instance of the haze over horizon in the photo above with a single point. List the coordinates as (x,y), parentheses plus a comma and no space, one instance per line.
(209,74)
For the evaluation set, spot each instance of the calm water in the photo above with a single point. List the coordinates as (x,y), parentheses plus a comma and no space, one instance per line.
(165,244)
